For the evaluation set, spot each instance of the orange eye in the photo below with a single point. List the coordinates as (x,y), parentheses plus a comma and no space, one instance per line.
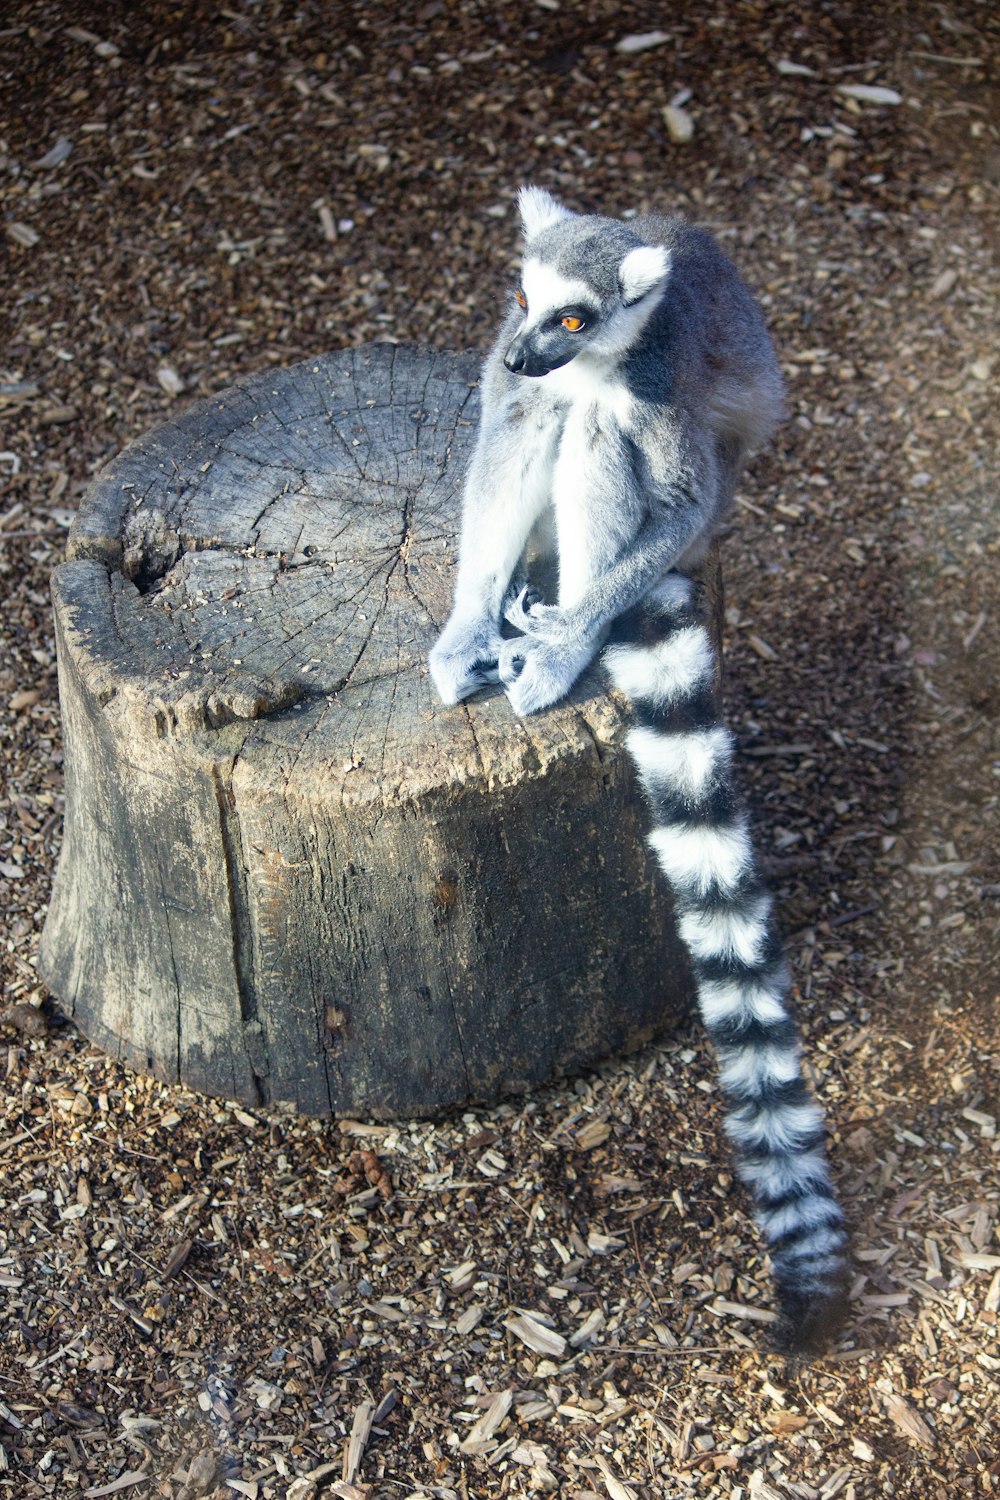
(520,298)
(574,324)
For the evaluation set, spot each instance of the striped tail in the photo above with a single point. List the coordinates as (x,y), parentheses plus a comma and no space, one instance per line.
(661,657)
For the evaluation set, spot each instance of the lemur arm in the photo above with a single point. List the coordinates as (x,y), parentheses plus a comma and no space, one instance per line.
(505,492)
(560,640)
(654,551)
(540,666)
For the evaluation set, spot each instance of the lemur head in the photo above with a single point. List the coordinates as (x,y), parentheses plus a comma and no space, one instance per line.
(588,284)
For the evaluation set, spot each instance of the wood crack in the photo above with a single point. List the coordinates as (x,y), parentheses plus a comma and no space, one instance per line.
(241,928)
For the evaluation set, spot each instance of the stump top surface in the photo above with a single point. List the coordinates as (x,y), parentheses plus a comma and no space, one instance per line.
(271,570)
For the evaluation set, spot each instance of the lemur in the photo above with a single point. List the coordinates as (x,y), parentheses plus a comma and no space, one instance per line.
(630,382)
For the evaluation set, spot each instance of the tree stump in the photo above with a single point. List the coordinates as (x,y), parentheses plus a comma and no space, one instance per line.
(288,872)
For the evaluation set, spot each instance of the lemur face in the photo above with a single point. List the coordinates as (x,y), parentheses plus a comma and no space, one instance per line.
(587,287)
(561,315)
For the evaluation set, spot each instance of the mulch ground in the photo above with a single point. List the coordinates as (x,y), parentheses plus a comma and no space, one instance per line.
(563,1295)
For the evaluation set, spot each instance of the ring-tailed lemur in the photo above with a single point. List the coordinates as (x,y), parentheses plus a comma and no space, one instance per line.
(622,398)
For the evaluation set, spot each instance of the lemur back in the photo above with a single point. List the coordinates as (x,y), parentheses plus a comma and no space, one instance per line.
(728,373)
(631,380)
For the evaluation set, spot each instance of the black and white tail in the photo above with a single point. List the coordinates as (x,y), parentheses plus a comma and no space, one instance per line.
(661,657)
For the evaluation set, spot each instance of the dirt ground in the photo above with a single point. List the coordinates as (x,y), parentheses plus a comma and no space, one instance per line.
(563,1295)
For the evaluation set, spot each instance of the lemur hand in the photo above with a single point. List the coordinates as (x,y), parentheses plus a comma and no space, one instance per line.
(465,658)
(537,674)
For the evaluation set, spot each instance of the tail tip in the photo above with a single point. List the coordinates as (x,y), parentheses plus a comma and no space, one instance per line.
(808,1322)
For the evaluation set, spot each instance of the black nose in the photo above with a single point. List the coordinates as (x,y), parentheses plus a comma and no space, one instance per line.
(514,358)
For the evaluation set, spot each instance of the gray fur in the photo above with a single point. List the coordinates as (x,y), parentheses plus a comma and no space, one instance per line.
(631,433)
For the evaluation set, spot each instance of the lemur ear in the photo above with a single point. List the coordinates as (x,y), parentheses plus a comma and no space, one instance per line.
(539,210)
(642,269)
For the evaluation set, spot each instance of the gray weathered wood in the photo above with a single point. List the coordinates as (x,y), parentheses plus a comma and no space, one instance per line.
(289,873)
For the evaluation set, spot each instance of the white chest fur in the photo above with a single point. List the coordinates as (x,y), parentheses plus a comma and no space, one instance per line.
(600,409)
(593,390)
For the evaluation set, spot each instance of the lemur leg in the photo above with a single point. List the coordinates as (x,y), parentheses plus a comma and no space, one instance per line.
(609,555)
(506,491)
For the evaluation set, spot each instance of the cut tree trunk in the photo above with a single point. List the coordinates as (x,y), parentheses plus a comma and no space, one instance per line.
(289,873)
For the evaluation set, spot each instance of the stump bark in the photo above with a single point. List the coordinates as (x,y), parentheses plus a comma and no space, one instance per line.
(288,872)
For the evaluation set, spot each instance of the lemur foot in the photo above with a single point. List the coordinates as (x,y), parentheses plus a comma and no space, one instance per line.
(527,613)
(517,588)
(536,675)
(464,660)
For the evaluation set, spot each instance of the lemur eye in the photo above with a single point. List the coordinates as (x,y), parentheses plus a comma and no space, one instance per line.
(572,322)
(520,298)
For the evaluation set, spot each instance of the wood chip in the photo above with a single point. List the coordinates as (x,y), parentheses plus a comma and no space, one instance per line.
(24,698)
(461,1276)
(482,1430)
(56,156)
(617,1488)
(762,649)
(13,1421)
(322,1471)
(11,392)
(836,1482)
(595,1133)
(642,41)
(327,222)
(680,125)
(492,1164)
(22,234)
(908,1421)
(470,1319)
(537,1337)
(760,1489)
(360,1429)
(740,1310)
(944,283)
(992,1301)
(785,1421)
(169,380)
(178,1258)
(870,93)
(588,1329)
(123,1482)
(987,1123)
(794,70)
(603,1244)
(27,1019)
